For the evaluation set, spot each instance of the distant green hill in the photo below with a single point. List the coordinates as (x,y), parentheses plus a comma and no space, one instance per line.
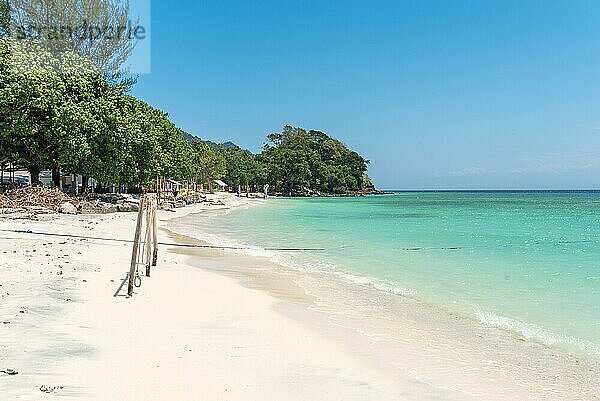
(295,162)
(224,145)
(189,137)
(213,145)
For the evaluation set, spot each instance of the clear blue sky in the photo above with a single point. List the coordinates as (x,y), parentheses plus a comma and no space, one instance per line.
(437,94)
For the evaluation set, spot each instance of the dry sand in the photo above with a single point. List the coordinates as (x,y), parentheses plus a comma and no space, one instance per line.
(187,334)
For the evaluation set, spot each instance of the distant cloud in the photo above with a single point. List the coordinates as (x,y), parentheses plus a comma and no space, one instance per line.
(560,163)
(470,171)
(548,164)
(596,128)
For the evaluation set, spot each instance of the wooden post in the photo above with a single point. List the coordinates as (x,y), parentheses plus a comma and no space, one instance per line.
(157,189)
(154,234)
(136,245)
(162,190)
(147,249)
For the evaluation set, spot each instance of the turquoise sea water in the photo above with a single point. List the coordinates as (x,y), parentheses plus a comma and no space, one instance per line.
(523,261)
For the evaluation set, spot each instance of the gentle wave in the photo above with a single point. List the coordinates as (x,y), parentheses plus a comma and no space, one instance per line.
(379,284)
(221,241)
(288,260)
(536,333)
(528,330)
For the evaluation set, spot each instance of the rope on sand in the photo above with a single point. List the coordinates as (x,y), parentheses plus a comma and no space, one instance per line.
(160,243)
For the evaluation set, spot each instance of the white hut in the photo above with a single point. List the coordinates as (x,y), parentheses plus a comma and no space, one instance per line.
(222,186)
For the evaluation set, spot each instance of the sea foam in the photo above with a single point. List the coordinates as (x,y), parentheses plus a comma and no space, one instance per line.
(537,333)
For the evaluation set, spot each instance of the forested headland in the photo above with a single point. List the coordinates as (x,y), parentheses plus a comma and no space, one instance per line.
(59,112)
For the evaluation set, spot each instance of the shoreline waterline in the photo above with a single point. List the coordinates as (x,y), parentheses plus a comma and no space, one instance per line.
(418,341)
(519,261)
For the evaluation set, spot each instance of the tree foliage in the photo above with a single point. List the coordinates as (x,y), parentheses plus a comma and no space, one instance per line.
(65,114)
(53,117)
(241,167)
(207,164)
(297,160)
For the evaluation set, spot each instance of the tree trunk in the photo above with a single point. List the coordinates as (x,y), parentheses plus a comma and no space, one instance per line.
(56,176)
(34,171)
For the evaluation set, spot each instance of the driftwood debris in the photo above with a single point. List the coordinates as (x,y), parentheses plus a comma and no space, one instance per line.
(34,196)
(40,200)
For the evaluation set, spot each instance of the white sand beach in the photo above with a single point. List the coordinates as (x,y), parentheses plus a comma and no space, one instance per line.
(209,325)
(186,334)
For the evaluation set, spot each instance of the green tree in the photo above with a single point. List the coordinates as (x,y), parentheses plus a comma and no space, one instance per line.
(95,145)
(208,164)
(5,150)
(64,114)
(240,166)
(29,104)
(51,110)
(289,159)
(296,161)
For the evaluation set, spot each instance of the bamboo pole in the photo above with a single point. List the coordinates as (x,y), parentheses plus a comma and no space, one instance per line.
(136,245)
(154,234)
(147,243)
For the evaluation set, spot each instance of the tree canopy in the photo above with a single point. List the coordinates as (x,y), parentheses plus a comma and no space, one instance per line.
(297,160)
(241,167)
(52,116)
(66,115)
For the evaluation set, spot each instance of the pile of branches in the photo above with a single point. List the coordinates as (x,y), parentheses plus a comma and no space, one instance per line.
(48,198)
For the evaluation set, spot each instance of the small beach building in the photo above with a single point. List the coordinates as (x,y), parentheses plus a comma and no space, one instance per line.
(221,185)
(11,174)
(172,186)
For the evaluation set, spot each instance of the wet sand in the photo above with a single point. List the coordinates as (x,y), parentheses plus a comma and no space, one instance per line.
(429,352)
